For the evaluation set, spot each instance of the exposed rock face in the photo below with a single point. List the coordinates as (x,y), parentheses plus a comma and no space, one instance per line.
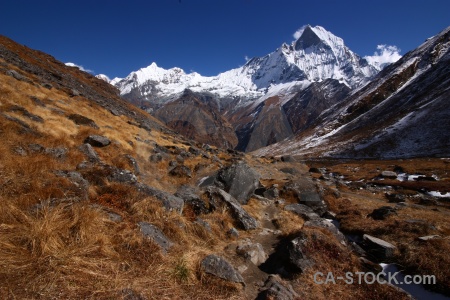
(218,266)
(191,198)
(198,120)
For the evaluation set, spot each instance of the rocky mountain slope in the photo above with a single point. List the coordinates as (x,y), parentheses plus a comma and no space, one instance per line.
(402,112)
(99,200)
(316,56)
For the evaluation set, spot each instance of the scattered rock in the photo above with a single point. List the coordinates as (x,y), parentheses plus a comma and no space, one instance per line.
(378,248)
(36,148)
(314,170)
(382,213)
(203,223)
(370,266)
(15,74)
(288,158)
(181,171)
(170,202)
(90,153)
(79,185)
(389,174)
(323,223)
(191,198)
(218,266)
(291,171)
(156,235)
(154,158)
(26,113)
(428,237)
(74,93)
(395,198)
(132,161)
(296,255)
(47,85)
(20,151)
(239,180)
(275,289)
(252,251)
(305,212)
(233,233)
(121,175)
(217,195)
(130,294)
(97,141)
(59,152)
(82,120)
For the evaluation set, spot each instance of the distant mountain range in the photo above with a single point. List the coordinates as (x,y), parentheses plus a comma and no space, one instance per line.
(296,94)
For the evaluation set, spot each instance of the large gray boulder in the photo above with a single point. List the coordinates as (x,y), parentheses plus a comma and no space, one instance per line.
(217,196)
(378,248)
(297,256)
(239,180)
(218,266)
(156,235)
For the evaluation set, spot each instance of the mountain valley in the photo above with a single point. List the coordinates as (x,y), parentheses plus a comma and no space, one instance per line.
(245,185)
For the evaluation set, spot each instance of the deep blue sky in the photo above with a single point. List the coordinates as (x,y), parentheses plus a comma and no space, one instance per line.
(210,36)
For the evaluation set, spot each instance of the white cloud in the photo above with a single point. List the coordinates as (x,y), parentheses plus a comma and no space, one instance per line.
(71,64)
(299,32)
(247,58)
(384,55)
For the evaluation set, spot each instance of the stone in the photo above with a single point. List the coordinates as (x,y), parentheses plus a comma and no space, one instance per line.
(155,158)
(20,151)
(194,151)
(382,213)
(389,174)
(15,74)
(218,266)
(428,237)
(305,212)
(82,120)
(275,289)
(323,223)
(314,201)
(253,252)
(170,202)
(217,195)
(191,197)
(36,148)
(240,181)
(291,171)
(59,152)
(90,153)
(97,141)
(156,235)
(233,233)
(132,161)
(288,158)
(203,223)
(79,185)
(296,254)
(121,175)
(181,171)
(378,248)
(395,198)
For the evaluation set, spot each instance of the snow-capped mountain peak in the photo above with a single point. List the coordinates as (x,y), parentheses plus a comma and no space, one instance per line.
(316,55)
